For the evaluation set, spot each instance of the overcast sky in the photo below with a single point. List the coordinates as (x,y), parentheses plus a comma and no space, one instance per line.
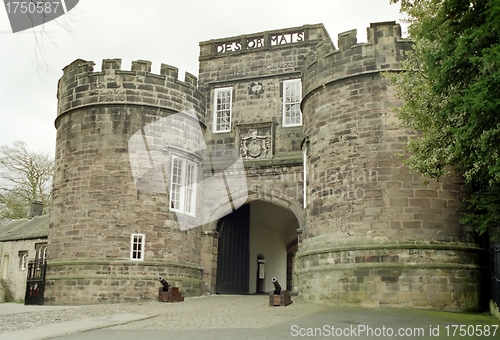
(161,31)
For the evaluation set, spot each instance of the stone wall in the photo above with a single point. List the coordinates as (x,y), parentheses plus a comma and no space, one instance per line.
(375,234)
(268,65)
(109,184)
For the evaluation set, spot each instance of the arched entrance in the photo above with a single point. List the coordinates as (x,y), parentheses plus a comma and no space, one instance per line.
(257,242)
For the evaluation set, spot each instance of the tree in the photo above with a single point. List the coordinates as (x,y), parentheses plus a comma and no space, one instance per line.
(25,176)
(451,88)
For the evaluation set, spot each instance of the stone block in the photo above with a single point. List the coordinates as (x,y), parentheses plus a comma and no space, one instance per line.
(398,202)
(400,193)
(421,202)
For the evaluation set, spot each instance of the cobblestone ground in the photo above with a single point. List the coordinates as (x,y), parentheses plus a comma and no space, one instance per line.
(207,312)
(224,311)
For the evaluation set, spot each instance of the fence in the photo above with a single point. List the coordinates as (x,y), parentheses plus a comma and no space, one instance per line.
(495,273)
(35,283)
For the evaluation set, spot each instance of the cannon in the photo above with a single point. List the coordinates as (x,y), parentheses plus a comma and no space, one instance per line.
(164,284)
(168,293)
(277,286)
(279,296)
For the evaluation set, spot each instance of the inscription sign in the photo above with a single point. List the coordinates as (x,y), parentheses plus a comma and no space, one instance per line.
(287,38)
(236,45)
(229,47)
(256,42)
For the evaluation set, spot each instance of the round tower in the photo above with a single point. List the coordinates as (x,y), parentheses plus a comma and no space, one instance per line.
(375,234)
(115,225)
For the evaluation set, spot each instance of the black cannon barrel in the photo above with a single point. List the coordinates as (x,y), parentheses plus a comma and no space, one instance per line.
(163,283)
(277,286)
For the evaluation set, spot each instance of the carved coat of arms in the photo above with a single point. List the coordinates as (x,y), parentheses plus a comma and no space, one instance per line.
(253,145)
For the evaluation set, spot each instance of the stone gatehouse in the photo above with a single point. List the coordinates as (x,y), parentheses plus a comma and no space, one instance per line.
(278,160)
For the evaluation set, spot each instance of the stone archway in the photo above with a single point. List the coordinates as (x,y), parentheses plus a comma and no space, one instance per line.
(223,208)
(270,231)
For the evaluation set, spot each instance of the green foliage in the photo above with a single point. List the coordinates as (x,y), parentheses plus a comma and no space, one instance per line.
(483,209)
(451,88)
(25,176)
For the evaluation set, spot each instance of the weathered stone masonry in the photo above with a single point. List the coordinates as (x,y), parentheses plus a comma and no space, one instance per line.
(370,233)
(401,244)
(96,205)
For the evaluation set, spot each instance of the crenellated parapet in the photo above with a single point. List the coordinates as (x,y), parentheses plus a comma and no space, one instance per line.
(81,87)
(384,50)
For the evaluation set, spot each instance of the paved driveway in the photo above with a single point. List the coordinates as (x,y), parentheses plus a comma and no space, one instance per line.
(250,317)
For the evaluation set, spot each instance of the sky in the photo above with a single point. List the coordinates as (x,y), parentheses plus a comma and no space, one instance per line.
(161,31)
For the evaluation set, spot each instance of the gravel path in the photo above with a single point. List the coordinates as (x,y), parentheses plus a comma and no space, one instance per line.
(20,321)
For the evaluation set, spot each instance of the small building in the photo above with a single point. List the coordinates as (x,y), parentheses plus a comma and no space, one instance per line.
(21,241)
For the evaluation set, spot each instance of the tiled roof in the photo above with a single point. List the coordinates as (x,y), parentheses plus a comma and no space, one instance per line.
(26,228)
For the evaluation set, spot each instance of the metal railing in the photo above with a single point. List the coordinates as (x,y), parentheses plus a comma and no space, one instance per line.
(495,273)
(35,283)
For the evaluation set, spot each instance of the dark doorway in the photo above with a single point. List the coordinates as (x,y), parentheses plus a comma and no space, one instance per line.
(233,258)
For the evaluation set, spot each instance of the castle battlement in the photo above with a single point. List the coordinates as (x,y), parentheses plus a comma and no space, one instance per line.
(384,50)
(80,86)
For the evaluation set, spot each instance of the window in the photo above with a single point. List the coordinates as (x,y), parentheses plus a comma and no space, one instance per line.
(137,242)
(292,95)
(5,267)
(41,252)
(183,186)
(222,109)
(23,259)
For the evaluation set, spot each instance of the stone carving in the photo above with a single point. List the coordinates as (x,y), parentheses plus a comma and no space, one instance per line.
(256,142)
(255,87)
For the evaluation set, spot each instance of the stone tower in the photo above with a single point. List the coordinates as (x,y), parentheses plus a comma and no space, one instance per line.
(375,234)
(257,72)
(110,234)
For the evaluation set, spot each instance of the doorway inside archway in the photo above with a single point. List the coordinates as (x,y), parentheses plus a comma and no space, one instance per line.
(257,242)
